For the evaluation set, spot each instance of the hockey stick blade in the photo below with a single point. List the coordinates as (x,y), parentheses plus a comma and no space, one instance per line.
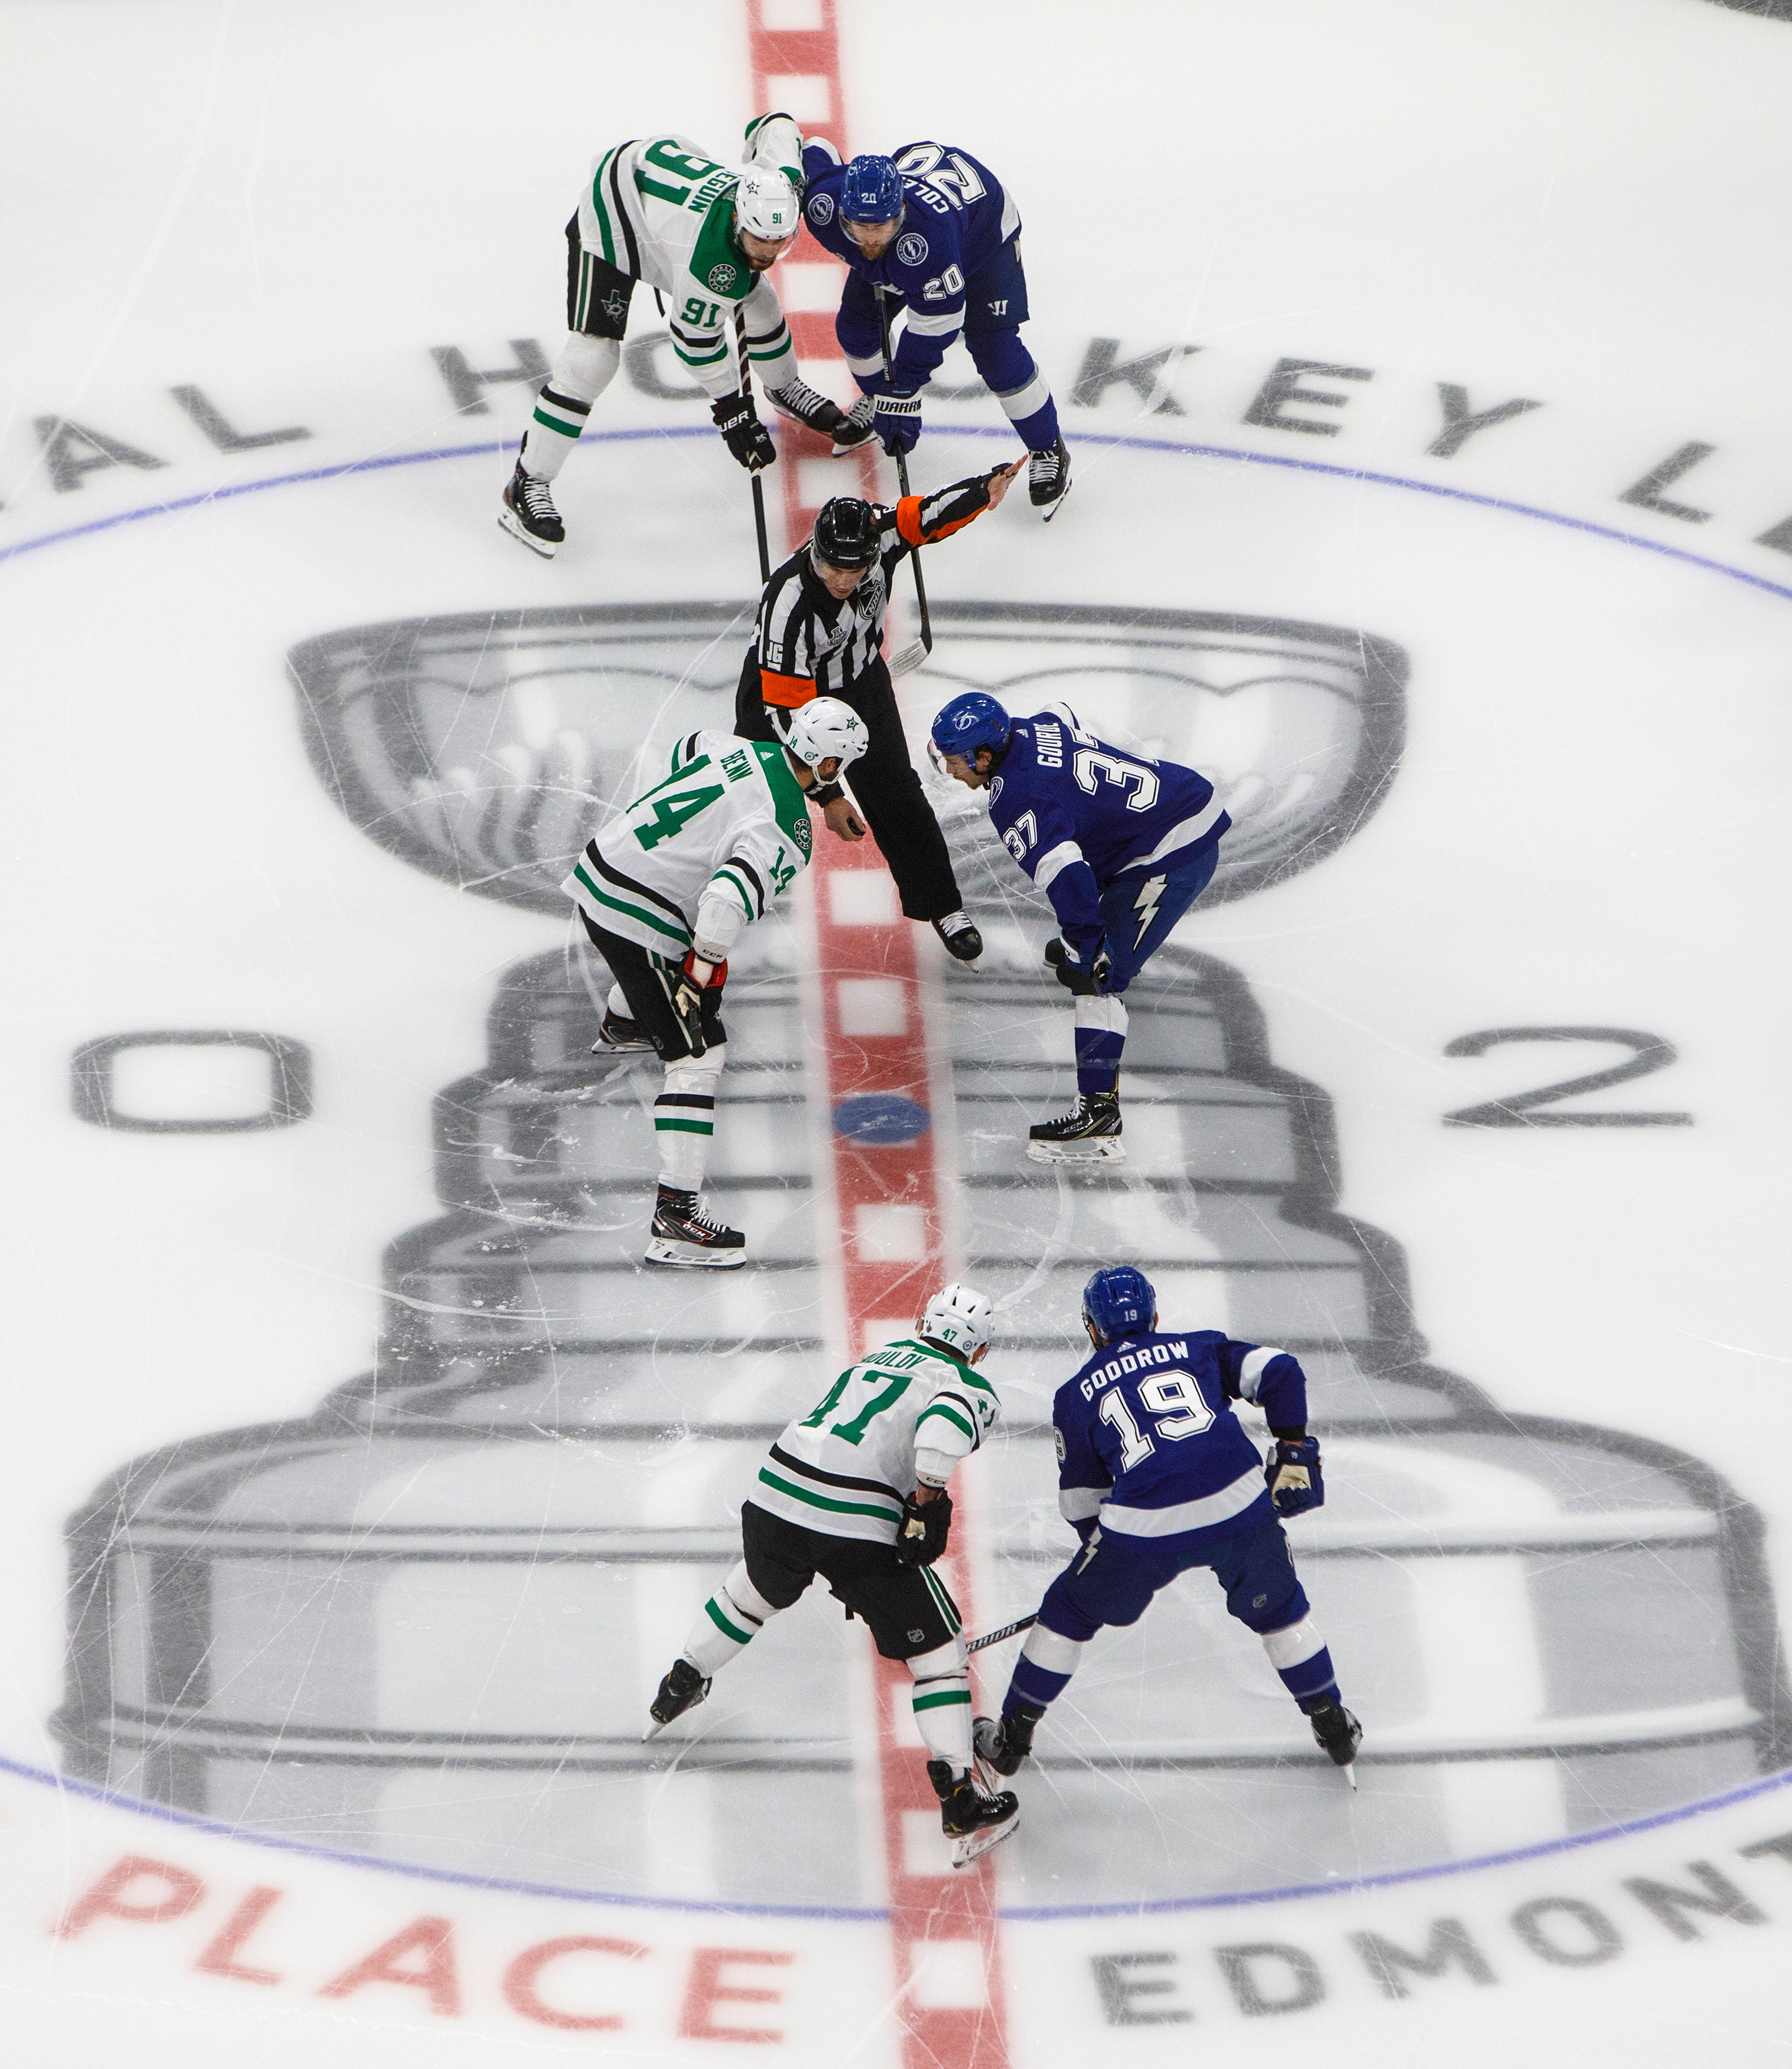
(1007,1630)
(1053,510)
(910,659)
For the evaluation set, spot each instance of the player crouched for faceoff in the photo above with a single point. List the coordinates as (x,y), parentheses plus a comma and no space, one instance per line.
(820,632)
(856,1491)
(1121,844)
(664,890)
(933,231)
(1156,1475)
(704,235)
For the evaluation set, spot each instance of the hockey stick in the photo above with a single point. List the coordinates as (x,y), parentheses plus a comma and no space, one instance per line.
(1007,1630)
(758,489)
(917,651)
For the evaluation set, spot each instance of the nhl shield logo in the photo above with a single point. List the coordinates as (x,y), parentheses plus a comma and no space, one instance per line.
(722,277)
(912,248)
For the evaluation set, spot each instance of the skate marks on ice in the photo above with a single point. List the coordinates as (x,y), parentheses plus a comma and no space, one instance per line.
(424,1622)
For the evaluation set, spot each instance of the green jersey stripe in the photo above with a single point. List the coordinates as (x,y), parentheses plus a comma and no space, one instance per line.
(946,1414)
(943,1600)
(730,1630)
(734,884)
(836,1508)
(566,429)
(601,209)
(684,1127)
(680,934)
(939,1701)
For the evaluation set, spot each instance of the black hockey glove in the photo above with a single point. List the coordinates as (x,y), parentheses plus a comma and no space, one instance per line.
(1087,980)
(926,1528)
(685,991)
(746,438)
(1295,1484)
(898,423)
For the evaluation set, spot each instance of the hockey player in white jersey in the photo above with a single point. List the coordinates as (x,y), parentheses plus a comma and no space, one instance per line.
(855,1491)
(664,889)
(704,235)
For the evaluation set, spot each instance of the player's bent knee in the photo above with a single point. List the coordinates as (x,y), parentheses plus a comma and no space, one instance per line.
(740,1584)
(587,367)
(949,1659)
(1049,1649)
(1294,1643)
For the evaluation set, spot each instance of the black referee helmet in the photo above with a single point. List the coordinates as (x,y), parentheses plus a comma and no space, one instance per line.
(846,532)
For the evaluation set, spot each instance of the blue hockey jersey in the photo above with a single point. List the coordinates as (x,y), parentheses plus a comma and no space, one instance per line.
(1076,813)
(1149,1447)
(957,216)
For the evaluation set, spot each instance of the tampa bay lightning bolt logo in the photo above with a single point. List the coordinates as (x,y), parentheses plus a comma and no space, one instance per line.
(821,209)
(911,248)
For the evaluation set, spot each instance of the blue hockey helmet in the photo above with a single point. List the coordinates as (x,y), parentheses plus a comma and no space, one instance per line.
(973,719)
(872,192)
(1120,1301)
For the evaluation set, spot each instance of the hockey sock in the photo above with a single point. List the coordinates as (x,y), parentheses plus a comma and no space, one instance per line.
(728,1624)
(942,1704)
(580,376)
(1015,381)
(1100,1038)
(1046,1663)
(684,1118)
(1299,1654)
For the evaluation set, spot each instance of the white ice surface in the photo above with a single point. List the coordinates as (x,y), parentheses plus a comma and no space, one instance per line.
(288,208)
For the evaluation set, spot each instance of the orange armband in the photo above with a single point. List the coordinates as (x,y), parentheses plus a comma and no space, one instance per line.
(787,691)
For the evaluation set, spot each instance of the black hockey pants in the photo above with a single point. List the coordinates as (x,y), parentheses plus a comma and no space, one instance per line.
(886,786)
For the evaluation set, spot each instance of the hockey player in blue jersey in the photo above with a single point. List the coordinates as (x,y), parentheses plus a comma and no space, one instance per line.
(933,230)
(1156,1475)
(1122,845)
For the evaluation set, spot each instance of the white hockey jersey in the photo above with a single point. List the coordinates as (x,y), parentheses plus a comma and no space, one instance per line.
(661,209)
(729,821)
(844,1468)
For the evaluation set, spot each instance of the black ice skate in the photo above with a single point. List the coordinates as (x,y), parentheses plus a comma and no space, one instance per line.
(848,430)
(618,1033)
(1088,1134)
(1338,1735)
(971,1821)
(683,1235)
(1048,479)
(527,513)
(682,1690)
(959,932)
(1003,1743)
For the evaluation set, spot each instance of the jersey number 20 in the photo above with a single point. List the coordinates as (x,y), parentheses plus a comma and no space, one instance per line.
(1178,1408)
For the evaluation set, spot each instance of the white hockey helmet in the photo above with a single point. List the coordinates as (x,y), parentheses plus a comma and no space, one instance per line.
(765,205)
(960,1318)
(823,727)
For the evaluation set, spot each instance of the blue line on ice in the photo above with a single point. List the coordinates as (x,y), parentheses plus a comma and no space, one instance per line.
(1039,1913)
(949,430)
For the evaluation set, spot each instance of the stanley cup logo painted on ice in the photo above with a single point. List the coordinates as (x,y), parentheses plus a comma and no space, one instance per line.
(424,1622)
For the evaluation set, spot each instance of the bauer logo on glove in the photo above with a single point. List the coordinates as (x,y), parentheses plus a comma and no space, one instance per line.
(1295,1482)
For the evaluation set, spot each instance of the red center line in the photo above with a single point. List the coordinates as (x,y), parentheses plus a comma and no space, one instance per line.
(891,1223)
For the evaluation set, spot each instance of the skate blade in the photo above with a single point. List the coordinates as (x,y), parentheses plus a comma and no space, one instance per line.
(910,659)
(1350,1776)
(974,1844)
(603,1048)
(688,1256)
(1056,505)
(508,521)
(1109,1149)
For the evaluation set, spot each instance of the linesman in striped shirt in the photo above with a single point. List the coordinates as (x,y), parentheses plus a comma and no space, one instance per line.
(820,632)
